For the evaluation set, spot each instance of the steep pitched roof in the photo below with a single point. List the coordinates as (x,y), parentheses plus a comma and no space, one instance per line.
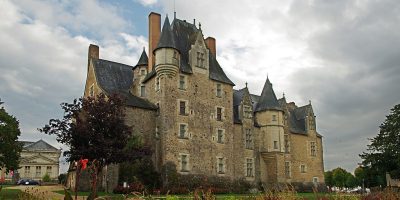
(268,100)
(39,146)
(117,78)
(143,60)
(297,119)
(167,39)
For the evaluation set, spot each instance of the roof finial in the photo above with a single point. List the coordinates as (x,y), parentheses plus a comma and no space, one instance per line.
(194,22)
(143,48)
(283,94)
(309,102)
(246,84)
(174,11)
(199,26)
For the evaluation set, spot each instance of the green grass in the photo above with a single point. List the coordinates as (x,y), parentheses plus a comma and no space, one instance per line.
(9,194)
(87,193)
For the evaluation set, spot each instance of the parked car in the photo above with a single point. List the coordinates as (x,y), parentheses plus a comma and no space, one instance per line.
(27,182)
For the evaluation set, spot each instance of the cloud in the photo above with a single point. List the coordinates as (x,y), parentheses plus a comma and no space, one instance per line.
(147,2)
(342,55)
(45,59)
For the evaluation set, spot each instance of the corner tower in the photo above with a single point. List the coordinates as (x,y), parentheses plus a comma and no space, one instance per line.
(269,117)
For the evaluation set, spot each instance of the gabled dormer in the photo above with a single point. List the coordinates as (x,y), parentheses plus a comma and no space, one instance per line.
(199,55)
(242,105)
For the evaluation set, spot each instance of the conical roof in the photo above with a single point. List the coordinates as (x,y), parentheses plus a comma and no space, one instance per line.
(167,38)
(143,60)
(268,100)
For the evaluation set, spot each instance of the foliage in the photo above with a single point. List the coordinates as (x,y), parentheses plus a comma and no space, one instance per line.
(94,128)
(339,177)
(177,183)
(329,178)
(46,178)
(62,178)
(133,187)
(383,154)
(139,170)
(10,148)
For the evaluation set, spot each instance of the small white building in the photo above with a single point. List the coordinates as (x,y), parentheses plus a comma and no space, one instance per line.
(37,159)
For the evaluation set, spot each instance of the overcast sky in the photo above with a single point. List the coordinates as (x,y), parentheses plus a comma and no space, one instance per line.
(342,55)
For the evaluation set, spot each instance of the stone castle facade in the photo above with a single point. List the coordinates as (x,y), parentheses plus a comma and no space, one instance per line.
(182,103)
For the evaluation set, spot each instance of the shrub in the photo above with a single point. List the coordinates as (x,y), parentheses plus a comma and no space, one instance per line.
(134,187)
(46,178)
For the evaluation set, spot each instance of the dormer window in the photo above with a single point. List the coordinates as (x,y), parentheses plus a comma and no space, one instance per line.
(142,91)
(142,72)
(247,111)
(200,60)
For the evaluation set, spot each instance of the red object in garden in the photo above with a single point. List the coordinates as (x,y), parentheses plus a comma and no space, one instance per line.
(83,163)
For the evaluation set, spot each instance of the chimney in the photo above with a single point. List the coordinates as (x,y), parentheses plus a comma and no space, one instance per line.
(154,36)
(210,42)
(93,51)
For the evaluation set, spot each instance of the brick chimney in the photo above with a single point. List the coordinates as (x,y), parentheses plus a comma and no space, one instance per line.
(93,51)
(154,36)
(211,44)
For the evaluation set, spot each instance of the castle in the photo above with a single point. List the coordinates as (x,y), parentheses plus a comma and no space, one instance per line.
(182,103)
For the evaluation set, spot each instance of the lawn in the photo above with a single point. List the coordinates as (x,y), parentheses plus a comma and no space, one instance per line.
(87,193)
(9,194)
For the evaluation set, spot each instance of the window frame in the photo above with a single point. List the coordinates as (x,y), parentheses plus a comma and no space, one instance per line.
(182,82)
(220,140)
(142,90)
(185,134)
(288,173)
(248,139)
(249,167)
(218,90)
(221,165)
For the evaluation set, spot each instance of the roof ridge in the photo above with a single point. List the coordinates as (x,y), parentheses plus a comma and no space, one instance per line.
(115,62)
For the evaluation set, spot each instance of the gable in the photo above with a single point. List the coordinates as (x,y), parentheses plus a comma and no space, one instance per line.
(37,159)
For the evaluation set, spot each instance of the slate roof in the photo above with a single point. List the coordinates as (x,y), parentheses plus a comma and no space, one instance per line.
(183,37)
(267,100)
(117,78)
(143,60)
(38,146)
(167,40)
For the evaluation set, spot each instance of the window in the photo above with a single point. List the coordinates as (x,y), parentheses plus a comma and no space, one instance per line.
(220,136)
(219,114)
(287,144)
(157,84)
(182,82)
(275,144)
(142,91)
(175,55)
(302,168)
(157,133)
(182,130)
(48,170)
(184,163)
(38,171)
(142,72)
(247,111)
(313,149)
(219,90)
(273,118)
(249,167)
(287,169)
(200,60)
(315,180)
(182,107)
(91,91)
(249,139)
(221,165)
(27,171)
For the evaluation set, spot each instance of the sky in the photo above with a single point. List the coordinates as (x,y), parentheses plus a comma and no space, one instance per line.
(341,55)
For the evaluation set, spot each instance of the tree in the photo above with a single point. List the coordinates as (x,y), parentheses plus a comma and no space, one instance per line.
(351,181)
(383,154)
(94,129)
(339,177)
(329,179)
(10,148)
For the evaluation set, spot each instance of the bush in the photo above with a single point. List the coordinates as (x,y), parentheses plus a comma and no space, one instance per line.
(46,178)
(176,183)
(134,187)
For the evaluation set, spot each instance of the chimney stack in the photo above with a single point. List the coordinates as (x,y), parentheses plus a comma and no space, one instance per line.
(154,36)
(93,52)
(211,44)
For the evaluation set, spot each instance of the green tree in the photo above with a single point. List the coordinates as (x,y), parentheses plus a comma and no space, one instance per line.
(339,177)
(383,154)
(351,181)
(95,129)
(329,179)
(10,148)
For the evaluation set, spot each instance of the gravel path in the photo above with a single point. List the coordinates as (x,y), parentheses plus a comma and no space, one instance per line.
(42,191)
